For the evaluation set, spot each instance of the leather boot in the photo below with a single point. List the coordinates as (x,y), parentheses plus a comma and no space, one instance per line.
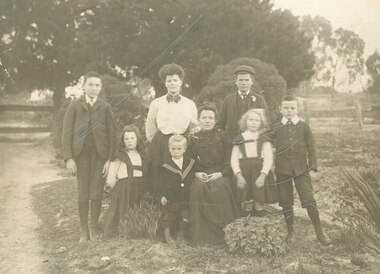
(289,220)
(84,236)
(313,213)
(96,207)
(168,238)
(94,232)
(182,230)
(83,217)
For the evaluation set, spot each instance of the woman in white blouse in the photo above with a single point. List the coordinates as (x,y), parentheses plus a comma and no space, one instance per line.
(168,115)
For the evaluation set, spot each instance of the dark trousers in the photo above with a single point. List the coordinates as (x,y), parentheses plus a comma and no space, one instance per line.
(173,213)
(89,174)
(303,186)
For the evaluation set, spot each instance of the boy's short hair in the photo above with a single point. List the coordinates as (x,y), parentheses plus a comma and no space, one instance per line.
(92,74)
(171,69)
(177,139)
(243,119)
(208,106)
(288,98)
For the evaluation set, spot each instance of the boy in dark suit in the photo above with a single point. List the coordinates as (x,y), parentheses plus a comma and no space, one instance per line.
(176,176)
(89,146)
(296,161)
(236,104)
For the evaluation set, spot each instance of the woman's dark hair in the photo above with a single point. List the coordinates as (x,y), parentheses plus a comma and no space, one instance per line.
(171,69)
(131,128)
(208,106)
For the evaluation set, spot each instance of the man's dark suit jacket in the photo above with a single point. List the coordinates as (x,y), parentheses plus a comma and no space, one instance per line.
(229,118)
(76,125)
(295,149)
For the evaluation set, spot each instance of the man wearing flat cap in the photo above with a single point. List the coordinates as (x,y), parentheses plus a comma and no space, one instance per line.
(236,104)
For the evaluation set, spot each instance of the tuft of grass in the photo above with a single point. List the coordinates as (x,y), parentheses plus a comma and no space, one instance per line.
(141,220)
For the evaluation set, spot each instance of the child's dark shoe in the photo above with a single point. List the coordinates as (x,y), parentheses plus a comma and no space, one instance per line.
(181,241)
(94,232)
(290,238)
(168,238)
(323,238)
(84,236)
(182,230)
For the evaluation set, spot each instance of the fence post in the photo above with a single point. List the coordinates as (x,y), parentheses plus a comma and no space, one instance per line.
(359,113)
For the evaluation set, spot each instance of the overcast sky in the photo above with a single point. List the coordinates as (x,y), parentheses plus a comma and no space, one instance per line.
(360,16)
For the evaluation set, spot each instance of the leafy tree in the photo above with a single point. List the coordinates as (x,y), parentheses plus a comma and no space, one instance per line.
(348,50)
(54,42)
(320,31)
(338,53)
(267,83)
(42,50)
(373,68)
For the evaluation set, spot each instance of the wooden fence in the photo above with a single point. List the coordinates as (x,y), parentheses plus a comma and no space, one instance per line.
(25,108)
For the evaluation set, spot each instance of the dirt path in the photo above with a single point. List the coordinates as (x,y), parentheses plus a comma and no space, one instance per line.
(22,165)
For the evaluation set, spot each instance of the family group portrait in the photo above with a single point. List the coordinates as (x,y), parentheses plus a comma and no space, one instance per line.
(189,136)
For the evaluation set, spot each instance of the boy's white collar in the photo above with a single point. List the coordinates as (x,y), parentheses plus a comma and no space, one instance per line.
(294,120)
(241,93)
(88,99)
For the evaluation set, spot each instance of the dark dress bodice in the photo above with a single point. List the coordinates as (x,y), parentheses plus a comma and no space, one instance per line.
(212,150)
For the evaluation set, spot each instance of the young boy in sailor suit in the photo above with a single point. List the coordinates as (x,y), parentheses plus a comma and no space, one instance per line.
(176,176)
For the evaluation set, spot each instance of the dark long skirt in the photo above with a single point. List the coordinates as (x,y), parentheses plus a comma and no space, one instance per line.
(126,193)
(157,156)
(212,207)
(251,168)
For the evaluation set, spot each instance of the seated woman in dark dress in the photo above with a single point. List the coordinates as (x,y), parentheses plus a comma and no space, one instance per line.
(212,203)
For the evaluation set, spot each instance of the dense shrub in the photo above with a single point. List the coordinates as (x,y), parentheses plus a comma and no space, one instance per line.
(256,236)
(127,104)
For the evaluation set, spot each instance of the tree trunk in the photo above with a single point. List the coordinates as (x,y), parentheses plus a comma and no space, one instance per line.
(333,86)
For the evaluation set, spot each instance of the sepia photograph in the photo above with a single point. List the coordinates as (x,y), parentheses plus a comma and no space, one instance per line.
(189,136)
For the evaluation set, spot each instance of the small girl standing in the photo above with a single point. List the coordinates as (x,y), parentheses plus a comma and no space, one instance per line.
(126,177)
(251,162)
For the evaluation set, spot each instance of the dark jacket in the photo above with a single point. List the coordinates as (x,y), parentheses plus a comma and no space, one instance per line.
(76,125)
(295,148)
(230,114)
(174,183)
